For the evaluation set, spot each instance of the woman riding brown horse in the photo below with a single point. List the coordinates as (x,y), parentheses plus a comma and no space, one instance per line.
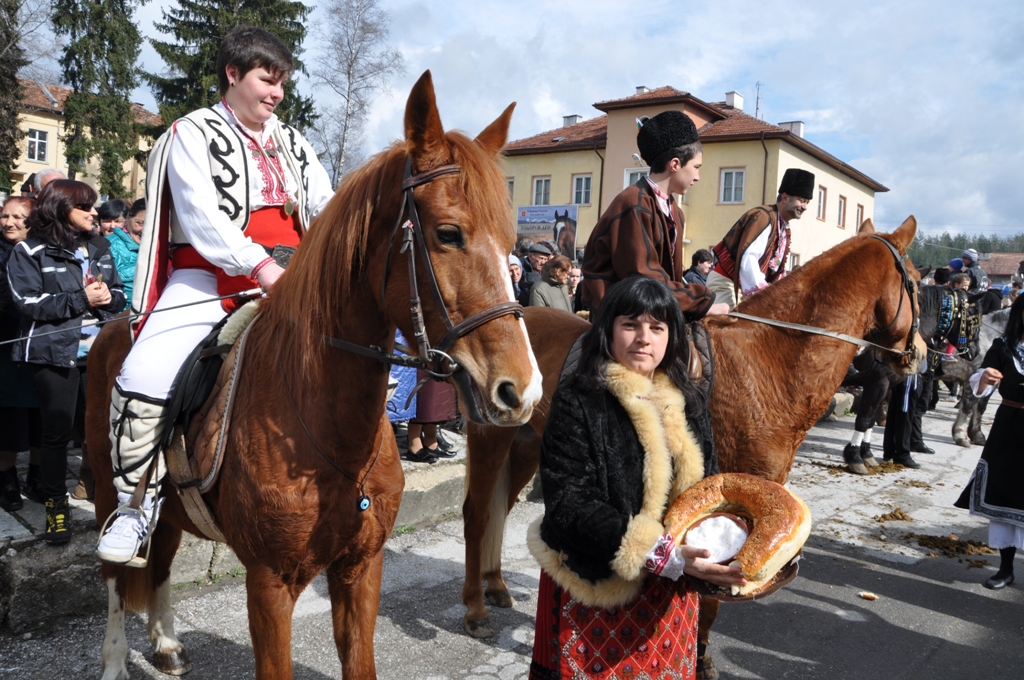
(309,440)
(770,387)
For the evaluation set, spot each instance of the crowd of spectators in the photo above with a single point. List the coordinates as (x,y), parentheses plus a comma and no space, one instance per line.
(66,264)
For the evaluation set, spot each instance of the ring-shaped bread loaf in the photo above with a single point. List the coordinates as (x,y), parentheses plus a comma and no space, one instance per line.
(781,522)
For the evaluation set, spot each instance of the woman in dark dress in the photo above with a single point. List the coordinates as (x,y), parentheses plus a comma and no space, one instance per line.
(996,489)
(626,434)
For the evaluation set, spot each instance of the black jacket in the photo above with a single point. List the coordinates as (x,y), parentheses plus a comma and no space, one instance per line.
(601,517)
(47,285)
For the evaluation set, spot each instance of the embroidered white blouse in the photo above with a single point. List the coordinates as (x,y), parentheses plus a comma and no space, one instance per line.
(199,220)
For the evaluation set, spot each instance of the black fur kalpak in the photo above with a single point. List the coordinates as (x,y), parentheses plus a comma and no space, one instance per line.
(666,131)
(797,182)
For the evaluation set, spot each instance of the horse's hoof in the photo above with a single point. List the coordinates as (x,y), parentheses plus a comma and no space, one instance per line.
(869,461)
(172,663)
(980,441)
(478,628)
(962,442)
(500,598)
(706,668)
(857,468)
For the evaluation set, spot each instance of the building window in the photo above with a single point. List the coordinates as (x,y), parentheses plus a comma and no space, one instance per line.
(542,191)
(822,198)
(842,212)
(632,175)
(37,145)
(860,215)
(510,182)
(581,189)
(731,186)
(794,261)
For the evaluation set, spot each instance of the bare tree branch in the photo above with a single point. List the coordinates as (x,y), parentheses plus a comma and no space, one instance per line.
(356,62)
(39,44)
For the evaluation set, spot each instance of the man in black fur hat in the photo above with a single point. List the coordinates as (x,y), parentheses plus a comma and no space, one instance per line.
(641,232)
(753,253)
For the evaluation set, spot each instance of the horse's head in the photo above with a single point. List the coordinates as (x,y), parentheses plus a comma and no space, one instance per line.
(897,310)
(467,233)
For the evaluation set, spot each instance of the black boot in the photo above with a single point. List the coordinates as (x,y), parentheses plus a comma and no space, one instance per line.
(1004,576)
(34,485)
(58,521)
(10,490)
(854,463)
(906,461)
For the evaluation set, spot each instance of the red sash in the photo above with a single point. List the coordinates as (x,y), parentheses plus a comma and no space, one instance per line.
(268,227)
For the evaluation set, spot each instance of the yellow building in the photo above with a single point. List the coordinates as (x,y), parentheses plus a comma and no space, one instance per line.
(42,119)
(744,160)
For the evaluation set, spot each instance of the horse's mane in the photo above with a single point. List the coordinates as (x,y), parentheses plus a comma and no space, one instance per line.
(330,266)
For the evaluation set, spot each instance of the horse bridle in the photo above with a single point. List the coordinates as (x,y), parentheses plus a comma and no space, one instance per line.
(435,359)
(908,287)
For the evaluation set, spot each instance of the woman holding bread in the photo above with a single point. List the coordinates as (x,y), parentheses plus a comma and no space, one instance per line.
(626,434)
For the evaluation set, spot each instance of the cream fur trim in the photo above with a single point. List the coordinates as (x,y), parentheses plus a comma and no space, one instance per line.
(238,322)
(673,461)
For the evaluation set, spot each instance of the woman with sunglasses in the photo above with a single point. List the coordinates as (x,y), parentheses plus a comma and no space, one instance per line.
(63,280)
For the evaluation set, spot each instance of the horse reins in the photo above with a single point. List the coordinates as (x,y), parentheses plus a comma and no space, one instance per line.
(907,287)
(435,359)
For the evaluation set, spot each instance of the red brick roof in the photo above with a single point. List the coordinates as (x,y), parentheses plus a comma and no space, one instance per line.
(35,97)
(582,135)
(1001,264)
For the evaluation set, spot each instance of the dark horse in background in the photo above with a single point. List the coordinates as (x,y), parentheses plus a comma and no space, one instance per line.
(771,385)
(309,441)
(969,336)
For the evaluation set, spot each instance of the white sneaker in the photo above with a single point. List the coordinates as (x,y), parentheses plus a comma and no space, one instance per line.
(126,533)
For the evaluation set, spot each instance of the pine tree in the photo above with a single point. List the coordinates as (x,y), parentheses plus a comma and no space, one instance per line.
(99,64)
(198,26)
(12,58)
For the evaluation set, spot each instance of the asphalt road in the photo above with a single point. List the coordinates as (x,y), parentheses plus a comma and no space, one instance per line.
(931,619)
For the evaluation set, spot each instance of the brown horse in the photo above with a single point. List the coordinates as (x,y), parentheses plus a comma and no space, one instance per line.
(770,387)
(309,434)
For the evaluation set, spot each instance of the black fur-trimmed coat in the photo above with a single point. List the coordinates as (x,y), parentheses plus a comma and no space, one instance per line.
(612,461)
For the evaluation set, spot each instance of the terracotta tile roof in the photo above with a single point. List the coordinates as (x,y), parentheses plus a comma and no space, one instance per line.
(52,99)
(736,122)
(1001,264)
(582,135)
(657,95)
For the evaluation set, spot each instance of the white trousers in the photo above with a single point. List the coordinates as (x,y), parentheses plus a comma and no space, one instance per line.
(167,338)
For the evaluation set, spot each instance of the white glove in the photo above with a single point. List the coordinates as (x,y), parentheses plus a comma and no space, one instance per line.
(664,559)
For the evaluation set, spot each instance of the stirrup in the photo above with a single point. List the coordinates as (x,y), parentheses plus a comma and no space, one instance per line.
(137,561)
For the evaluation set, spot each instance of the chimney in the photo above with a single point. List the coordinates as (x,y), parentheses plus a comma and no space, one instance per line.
(794,126)
(640,89)
(735,100)
(571,120)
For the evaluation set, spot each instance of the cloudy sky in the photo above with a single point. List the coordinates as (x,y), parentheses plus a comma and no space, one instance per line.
(927,97)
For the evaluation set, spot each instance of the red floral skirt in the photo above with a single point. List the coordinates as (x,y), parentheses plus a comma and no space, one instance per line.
(654,636)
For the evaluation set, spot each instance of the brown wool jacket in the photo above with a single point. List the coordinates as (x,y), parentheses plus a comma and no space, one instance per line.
(632,238)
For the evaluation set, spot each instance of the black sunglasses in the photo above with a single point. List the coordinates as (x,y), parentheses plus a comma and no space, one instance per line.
(84,206)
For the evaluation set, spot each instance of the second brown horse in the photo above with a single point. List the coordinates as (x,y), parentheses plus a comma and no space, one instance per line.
(771,385)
